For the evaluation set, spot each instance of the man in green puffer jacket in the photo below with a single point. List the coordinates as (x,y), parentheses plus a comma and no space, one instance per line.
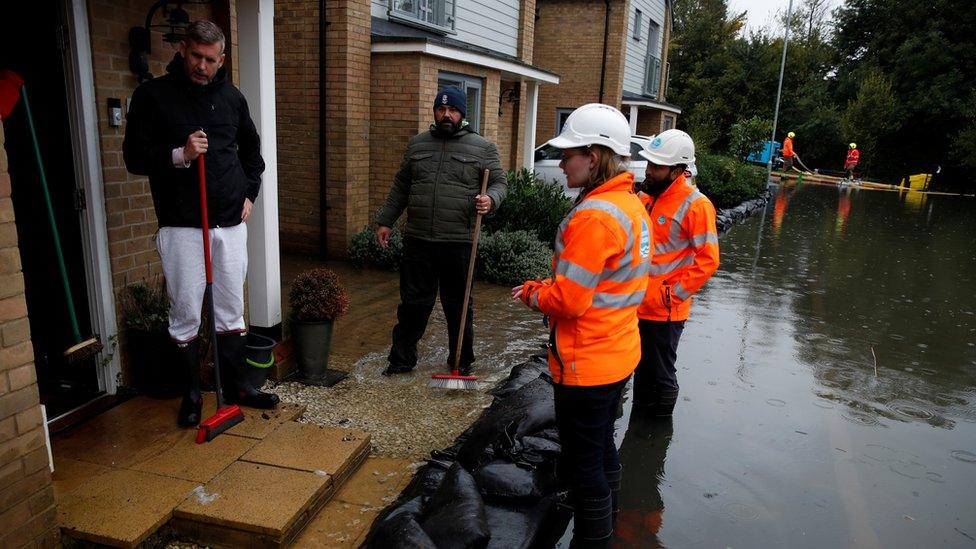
(438,185)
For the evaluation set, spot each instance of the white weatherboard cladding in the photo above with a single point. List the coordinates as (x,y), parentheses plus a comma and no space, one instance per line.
(635,63)
(490,24)
(377,8)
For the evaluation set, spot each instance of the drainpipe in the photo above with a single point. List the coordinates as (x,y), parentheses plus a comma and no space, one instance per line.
(323,162)
(606,38)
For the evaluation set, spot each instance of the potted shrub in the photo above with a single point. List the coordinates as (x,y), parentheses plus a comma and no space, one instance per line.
(145,317)
(317,299)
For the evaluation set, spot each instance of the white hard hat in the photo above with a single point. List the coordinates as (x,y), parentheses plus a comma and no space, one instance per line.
(670,148)
(595,124)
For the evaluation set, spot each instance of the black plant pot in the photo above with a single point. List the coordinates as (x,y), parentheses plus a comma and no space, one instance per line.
(155,370)
(312,343)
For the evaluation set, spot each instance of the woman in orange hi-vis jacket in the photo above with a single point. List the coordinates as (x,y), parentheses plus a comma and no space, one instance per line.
(601,261)
(685,256)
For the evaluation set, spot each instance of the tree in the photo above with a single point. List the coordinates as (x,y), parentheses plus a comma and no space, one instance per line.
(870,117)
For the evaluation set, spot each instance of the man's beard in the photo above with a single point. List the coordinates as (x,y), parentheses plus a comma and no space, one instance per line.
(655,187)
(447,126)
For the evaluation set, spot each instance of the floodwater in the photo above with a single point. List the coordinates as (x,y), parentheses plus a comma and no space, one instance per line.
(828,384)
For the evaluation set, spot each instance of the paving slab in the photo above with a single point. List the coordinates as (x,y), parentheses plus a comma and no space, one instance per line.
(69,474)
(308,447)
(122,436)
(257,423)
(120,508)
(184,458)
(345,521)
(251,498)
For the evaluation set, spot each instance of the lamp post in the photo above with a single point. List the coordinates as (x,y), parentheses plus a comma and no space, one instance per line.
(779,91)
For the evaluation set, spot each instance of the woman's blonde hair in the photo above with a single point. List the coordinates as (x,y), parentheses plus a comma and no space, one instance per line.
(608,165)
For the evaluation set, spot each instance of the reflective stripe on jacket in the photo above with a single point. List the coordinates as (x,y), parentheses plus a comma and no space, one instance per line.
(685,250)
(601,262)
(787,147)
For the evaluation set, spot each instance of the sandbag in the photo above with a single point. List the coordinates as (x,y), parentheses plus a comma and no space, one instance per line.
(522,525)
(521,374)
(455,514)
(398,527)
(527,410)
(504,480)
(427,480)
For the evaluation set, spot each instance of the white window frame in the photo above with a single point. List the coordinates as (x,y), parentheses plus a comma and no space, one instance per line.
(467,84)
(435,15)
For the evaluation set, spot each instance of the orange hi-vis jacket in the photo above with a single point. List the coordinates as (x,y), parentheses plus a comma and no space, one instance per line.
(685,250)
(788,147)
(601,263)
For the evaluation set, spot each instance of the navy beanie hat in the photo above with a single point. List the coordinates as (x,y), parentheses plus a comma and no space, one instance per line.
(452,97)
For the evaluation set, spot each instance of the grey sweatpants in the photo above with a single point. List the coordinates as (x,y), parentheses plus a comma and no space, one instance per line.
(181,251)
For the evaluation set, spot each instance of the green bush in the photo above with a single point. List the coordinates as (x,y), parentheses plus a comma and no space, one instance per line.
(145,305)
(749,135)
(532,205)
(364,249)
(513,257)
(728,182)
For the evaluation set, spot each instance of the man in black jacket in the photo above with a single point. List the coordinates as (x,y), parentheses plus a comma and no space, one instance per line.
(439,185)
(172,120)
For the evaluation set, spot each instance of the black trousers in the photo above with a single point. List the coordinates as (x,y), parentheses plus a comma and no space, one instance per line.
(426,268)
(584,416)
(659,350)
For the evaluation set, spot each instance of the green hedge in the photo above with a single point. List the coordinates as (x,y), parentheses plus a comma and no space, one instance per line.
(532,204)
(728,182)
(513,257)
(364,249)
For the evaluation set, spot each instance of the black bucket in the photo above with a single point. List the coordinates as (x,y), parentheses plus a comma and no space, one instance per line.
(260,358)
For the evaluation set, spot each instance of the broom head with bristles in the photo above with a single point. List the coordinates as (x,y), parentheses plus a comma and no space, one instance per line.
(83,350)
(224,419)
(453,381)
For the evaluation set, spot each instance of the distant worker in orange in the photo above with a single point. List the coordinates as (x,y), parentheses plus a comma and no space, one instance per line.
(685,256)
(788,153)
(600,265)
(853,157)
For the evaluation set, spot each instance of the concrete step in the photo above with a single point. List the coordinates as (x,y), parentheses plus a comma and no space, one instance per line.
(125,474)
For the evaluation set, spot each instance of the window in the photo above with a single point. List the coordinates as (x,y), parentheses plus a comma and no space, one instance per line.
(471,87)
(638,24)
(668,122)
(431,14)
(561,116)
(652,69)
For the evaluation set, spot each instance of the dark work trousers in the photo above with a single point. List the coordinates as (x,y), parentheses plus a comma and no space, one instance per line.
(584,416)
(425,268)
(659,350)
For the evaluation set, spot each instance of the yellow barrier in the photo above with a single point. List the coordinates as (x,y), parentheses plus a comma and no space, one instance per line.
(919,181)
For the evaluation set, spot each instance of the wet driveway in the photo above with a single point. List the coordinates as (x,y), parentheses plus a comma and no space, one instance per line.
(828,384)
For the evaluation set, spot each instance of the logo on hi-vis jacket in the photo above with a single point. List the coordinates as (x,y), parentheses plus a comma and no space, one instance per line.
(661,220)
(645,240)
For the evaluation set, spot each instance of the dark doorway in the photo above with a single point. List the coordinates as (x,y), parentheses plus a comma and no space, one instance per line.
(34,44)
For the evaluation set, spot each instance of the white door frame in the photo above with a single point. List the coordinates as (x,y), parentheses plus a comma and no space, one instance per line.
(83,124)
(255,25)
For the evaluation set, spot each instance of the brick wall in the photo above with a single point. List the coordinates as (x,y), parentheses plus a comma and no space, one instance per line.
(297,104)
(649,121)
(569,42)
(526,37)
(348,104)
(28,514)
(508,134)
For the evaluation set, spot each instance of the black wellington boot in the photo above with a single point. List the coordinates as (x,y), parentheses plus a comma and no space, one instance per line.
(188,355)
(593,522)
(233,364)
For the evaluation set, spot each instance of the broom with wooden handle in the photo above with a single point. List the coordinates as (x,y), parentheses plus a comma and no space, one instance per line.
(455,380)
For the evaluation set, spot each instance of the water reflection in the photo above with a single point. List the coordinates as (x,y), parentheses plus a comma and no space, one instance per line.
(831,381)
(644,450)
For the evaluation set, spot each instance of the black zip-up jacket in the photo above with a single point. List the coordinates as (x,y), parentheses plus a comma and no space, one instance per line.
(163,113)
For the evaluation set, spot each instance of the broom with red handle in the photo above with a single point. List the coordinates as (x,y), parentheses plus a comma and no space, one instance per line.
(226,416)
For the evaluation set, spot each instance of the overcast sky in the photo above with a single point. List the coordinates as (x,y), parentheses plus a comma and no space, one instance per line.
(760,12)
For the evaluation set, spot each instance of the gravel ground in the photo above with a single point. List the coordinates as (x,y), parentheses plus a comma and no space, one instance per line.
(404,417)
